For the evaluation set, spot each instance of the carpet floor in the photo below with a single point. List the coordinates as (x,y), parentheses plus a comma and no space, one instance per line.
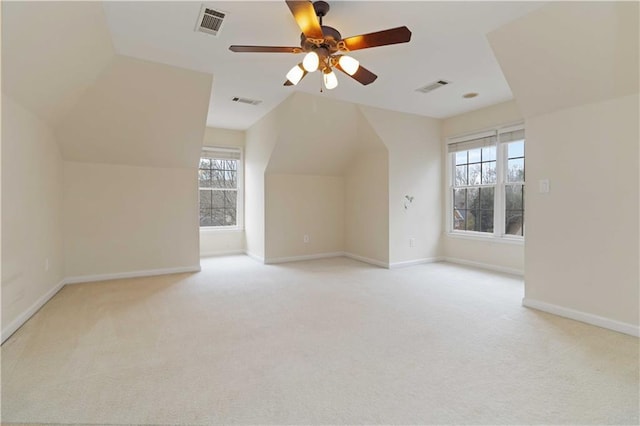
(331,341)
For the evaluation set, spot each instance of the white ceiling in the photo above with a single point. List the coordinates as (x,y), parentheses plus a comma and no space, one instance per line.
(448,43)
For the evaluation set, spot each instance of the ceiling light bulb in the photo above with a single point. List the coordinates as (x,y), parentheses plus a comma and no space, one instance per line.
(330,80)
(349,64)
(295,74)
(311,62)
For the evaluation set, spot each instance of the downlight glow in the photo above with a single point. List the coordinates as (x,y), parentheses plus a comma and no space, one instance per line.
(295,74)
(349,64)
(311,62)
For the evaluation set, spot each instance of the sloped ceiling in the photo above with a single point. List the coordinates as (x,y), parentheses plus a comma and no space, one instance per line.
(138,113)
(448,42)
(51,52)
(570,53)
(319,137)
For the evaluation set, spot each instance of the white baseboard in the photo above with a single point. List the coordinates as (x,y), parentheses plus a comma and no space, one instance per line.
(588,318)
(368,260)
(406,263)
(254,256)
(24,317)
(275,260)
(132,274)
(221,253)
(481,265)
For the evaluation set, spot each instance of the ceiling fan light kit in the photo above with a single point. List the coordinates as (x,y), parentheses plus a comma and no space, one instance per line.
(324,45)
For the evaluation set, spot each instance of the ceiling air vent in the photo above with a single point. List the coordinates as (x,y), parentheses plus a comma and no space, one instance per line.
(433,86)
(246,101)
(210,20)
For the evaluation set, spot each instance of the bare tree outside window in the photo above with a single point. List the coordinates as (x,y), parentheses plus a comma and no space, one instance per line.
(488,183)
(218,187)
(474,189)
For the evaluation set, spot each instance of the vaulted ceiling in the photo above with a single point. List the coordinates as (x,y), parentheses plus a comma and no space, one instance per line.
(448,42)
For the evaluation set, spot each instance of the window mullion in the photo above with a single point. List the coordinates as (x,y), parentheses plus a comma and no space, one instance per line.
(499,215)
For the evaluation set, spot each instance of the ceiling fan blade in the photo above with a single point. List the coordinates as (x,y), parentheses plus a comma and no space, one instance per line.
(305,15)
(264,49)
(304,74)
(362,75)
(379,38)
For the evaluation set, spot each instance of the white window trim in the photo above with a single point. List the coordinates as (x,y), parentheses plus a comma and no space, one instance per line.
(239,226)
(499,232)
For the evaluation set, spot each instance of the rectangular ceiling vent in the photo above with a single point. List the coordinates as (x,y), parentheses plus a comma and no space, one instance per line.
(433,86)
(246,101)
(210,20)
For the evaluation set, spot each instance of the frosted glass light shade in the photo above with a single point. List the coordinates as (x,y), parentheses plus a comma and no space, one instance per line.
(311,62)
(349,64)
(295,74)
(330,80)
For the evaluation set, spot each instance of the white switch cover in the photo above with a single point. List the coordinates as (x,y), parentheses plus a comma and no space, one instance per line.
(412,242)
(544,186)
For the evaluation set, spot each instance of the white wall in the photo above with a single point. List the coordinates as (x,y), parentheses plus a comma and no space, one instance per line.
(138,113)
(217,241)
(414,146)
(582,237)
(261,139)
(48,64)
(367,198)
(505,256)
(298,205)
(31,213)
(123,219)
(570,53)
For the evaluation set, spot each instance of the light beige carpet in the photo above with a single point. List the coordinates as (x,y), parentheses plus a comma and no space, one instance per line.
(329,341)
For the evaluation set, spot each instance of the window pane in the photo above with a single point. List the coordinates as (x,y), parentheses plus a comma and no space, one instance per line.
(471,220)
(514,220)
(217,199)
(461,175)
(460,198)
(230,179)
(474,155)
(205,199)
(230,199)
(218,217)
(486,198)
(204,178)
(474,174)
(489,154)
(472,198)
(461,157)
(205,217)
(516,149)
(232,165)
(514,197)
(229,217)
(459,219)
(486,221)
(489,172)
(515,170)
(205,163)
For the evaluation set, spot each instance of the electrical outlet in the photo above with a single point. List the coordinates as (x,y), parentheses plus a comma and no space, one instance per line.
(46,264)
(305,239)
(412,242)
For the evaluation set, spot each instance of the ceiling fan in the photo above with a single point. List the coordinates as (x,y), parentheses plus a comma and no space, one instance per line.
(324,46)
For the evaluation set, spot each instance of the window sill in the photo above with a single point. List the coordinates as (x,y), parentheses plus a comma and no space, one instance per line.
(218,229)
(477,236)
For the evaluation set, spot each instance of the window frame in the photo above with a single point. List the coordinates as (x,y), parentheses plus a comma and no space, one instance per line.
(239,226)
(499,210)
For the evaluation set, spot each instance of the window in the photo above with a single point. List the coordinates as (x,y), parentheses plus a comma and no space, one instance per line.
(220,184)
(487,183)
